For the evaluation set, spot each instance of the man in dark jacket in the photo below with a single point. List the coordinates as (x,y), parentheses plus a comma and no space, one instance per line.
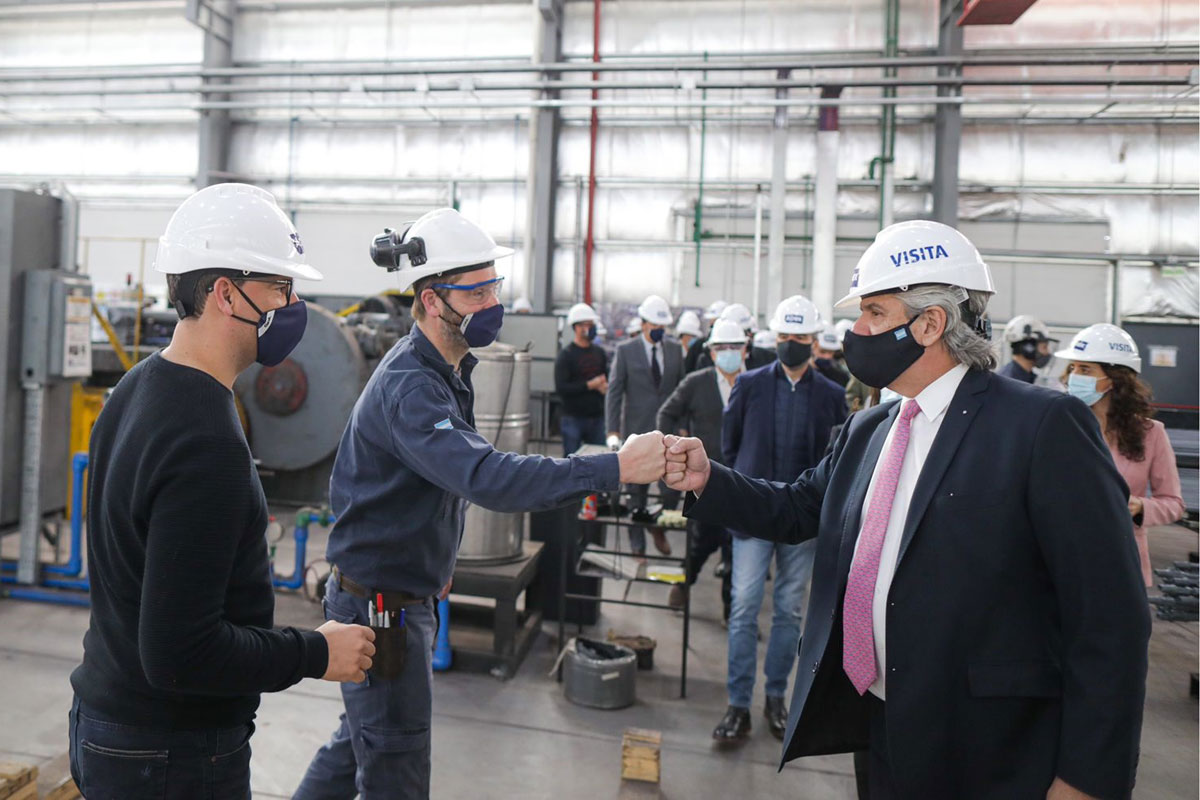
(696,408)
(977,620)
(776,426)
(581,380)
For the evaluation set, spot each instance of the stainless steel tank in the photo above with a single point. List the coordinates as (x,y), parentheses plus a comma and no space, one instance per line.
(501,381)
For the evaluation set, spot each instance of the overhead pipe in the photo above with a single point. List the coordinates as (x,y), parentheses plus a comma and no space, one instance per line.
(825,207)
(595,125)
(148,72)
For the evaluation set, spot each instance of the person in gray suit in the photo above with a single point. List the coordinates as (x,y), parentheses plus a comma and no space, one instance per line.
(645,370)
(696,408)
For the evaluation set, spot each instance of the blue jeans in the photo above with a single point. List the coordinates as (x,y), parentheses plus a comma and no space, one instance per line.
(581,430)
(114,761)
(793,568)
(381,748)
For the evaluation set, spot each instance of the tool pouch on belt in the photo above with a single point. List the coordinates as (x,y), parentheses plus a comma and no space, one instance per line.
(390,646)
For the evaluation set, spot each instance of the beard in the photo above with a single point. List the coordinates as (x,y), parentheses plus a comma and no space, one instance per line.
(454,333)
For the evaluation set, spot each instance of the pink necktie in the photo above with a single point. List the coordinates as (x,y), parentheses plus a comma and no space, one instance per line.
(858,634)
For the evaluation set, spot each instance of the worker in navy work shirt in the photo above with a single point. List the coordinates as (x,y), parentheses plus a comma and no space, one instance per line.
(977,621)
(180,643)
(409,462)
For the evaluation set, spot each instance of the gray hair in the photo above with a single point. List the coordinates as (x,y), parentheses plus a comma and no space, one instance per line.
(964,344)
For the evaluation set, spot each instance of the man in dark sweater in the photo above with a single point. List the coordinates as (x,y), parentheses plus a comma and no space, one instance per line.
(181,643)
(581,380)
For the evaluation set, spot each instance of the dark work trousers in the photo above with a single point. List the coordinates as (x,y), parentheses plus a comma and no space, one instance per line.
(114,761)
(578,431)
(704,540)
(381,748)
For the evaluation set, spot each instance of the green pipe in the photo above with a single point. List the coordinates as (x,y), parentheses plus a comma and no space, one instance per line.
(891,22)
(698,214)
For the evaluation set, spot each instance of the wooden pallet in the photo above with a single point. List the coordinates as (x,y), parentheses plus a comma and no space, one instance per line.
(18,781)
(641,755)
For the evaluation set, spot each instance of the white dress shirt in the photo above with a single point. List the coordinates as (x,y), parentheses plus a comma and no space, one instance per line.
(933,401)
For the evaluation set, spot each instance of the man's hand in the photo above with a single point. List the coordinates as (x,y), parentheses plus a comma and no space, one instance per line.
(1061,790)
(642,458)
(598,384)
(1135,506)
(350,650)
(687,465)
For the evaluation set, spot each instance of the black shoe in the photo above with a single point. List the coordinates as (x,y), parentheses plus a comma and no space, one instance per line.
(734,726)
(776,713)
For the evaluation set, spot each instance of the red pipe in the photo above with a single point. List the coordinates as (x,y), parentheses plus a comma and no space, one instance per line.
(591,242)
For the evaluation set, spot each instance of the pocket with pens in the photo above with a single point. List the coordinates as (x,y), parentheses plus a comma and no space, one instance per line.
(391,643)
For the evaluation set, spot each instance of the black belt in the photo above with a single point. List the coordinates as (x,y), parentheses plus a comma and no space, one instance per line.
(390,599)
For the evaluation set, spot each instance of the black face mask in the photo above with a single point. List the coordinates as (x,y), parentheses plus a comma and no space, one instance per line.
(1029,349)
(792,353)
(880,359)
(590,333)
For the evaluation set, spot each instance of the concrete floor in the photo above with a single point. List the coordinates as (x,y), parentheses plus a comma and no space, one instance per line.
(522,739)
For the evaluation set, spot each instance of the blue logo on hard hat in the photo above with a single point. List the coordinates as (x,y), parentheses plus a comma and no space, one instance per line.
(796,319)
(854,279)
(295,237)
(1120,347)
(918,254)
(1081,345)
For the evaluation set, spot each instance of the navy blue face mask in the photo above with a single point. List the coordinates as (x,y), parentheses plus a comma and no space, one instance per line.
(279,330)
(480,328)
(656,335)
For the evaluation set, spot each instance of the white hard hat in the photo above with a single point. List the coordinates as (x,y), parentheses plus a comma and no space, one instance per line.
(655,311)
(726,331)
(765,340)
(448,242)
(581,312)
(1023,327)
(232,226)
(829,339)
(1103,343)
(796,314)
(522,304)
(912,253)
(741,315)
(713,312)
(688,324)
(633,327)
(841,326)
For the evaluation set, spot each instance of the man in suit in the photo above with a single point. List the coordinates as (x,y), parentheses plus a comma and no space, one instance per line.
(776,426)
(695,409)
(645,370)
(977,620)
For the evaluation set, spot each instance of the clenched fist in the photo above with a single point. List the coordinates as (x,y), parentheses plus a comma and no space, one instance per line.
(350,650)
(687,464)
(642,458)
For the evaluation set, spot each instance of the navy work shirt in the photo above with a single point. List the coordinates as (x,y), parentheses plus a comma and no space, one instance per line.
(791,425)
(409,461)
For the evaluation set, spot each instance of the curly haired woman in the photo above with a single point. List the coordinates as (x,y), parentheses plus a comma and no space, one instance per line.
(1103,372)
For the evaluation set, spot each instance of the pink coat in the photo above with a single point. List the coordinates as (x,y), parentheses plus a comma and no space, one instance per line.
(1156,472)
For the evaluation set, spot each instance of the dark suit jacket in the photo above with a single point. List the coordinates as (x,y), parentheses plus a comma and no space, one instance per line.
(695,405)
(1017,622)
(632,402)
(748,435)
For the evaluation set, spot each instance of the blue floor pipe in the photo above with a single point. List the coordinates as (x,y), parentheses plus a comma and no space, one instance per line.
(303,517)
(69,572)
(441,649)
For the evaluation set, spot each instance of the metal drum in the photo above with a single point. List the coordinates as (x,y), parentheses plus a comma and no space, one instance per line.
(501,381)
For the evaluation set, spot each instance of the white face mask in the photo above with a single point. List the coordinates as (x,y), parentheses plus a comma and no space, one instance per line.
(728,361)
